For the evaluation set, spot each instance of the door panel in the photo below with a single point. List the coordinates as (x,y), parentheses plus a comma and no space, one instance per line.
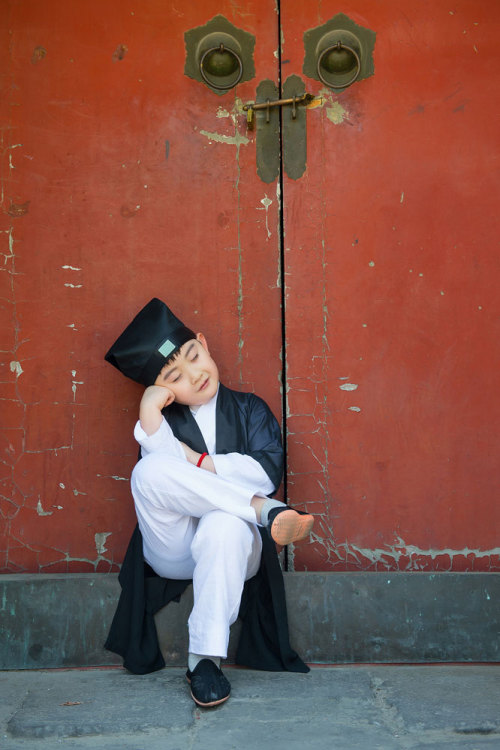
(123,179)
(391,247)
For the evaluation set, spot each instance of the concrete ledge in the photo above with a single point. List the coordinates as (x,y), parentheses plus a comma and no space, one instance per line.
(62,620)
(58,620)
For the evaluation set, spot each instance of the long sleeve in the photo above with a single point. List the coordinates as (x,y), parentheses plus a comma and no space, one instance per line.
(246,434)
(234,466)
(161,441)
(241,469)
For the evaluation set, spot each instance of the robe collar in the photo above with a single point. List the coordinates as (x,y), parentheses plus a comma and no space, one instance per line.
(228,430)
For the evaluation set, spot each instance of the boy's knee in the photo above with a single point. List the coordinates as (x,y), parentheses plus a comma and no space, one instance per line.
(222,531)
(147,469)
(144,473)
(142,470)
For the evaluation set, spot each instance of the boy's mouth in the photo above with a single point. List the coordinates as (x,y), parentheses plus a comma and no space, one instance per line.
(204,385)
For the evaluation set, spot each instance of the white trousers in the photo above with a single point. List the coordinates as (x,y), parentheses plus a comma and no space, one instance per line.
(197,525)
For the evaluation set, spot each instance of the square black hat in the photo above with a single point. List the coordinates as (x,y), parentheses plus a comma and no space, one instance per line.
(147,343)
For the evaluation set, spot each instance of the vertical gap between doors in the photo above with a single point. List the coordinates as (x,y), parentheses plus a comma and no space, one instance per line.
(283,289)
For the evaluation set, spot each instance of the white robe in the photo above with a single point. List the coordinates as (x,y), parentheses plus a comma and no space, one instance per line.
(200,525)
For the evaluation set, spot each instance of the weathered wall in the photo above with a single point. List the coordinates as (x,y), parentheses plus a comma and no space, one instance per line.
(123,179)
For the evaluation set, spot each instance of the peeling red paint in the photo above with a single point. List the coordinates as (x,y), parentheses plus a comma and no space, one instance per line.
(18,209)
(38,54)
(120,52)
(127,212)
(389,265)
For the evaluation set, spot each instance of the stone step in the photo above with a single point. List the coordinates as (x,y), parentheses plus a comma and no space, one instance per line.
(62,620)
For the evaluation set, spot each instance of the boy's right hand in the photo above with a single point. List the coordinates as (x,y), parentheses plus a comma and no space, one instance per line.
(158,396)
(154,399)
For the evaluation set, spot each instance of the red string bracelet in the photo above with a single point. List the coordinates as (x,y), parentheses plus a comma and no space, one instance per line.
(200,460)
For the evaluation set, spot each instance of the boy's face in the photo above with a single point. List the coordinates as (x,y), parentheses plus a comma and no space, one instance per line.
(193,376)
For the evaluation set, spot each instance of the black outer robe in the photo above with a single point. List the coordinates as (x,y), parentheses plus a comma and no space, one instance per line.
(244,424)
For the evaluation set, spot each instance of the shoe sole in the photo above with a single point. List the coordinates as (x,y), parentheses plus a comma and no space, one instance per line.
(209,705)
(289,526)
(206,705)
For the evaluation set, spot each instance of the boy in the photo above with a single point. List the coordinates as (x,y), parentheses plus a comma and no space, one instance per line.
(210,458)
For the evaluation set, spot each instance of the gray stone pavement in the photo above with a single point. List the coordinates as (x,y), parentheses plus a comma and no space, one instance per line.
(357,707)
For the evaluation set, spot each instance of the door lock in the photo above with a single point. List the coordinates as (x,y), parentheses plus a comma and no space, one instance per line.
(279,138)
(294,100)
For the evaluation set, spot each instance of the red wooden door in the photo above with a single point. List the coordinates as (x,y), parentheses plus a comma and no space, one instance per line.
(391,253)
(123,179)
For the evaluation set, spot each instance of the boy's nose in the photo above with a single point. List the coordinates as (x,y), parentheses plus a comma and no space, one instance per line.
(195,376)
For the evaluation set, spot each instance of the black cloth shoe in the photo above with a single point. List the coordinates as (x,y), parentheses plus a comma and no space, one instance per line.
(285,525)
(209,687)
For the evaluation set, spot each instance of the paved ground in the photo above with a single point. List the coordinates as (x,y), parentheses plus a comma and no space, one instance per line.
(346,708)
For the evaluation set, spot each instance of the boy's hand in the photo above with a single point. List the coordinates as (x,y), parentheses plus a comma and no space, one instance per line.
(154,399)
(157,395)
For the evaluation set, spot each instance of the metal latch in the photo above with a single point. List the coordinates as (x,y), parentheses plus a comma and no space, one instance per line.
(294,100)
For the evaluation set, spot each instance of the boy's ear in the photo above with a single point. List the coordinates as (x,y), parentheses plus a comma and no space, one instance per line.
(201,338)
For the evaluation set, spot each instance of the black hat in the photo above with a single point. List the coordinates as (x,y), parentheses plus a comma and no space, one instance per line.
(147,343)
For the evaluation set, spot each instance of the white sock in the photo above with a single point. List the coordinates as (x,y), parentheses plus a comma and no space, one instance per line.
(194,659)
(269,504)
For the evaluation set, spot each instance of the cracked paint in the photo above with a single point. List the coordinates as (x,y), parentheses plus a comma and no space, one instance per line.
(22,498)
(232,140)
(116,478)
(404,557)
(41,511)
(237,140)
(266,202)
(335,111)
(75,383)
(100,541)
(16,367)
(278,255)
